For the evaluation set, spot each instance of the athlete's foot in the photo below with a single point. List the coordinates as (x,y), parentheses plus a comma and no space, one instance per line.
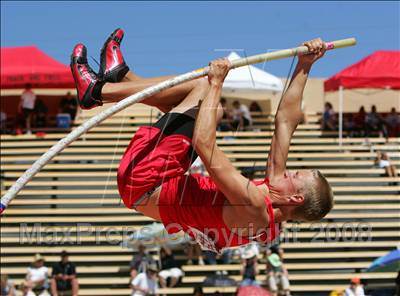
(112,65)
(87,84)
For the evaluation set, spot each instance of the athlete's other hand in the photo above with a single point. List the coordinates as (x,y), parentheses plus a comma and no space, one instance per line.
(316,48)
(218,71)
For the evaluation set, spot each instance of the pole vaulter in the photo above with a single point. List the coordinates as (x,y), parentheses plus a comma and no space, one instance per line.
(140,96)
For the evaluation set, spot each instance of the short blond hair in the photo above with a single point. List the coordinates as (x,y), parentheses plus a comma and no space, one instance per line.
(318,200)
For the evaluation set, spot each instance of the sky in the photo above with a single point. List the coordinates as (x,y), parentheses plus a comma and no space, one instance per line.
(164,38)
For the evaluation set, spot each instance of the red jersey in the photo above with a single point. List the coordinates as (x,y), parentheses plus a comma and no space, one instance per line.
(194,204)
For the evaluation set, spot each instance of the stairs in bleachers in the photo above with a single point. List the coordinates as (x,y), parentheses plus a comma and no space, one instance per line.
(76,194)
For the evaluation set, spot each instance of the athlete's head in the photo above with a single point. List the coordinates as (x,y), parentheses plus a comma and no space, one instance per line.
(304,195)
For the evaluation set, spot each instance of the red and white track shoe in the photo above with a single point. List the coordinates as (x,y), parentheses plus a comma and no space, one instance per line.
(112,65)
(87,84)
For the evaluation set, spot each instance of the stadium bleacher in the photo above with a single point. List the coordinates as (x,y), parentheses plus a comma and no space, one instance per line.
(79,187)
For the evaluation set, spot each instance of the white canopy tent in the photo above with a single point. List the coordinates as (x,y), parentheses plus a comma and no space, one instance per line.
(249,82)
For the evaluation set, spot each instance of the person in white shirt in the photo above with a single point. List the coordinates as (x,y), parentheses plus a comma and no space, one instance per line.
(355,289)
(37,276)
(7,286)
(170,269)
(26,106)
(249,250)
(383,161)
(145,283)
(241,116)
(197,167)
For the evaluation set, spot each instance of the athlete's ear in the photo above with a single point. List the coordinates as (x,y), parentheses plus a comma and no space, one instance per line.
(296,199)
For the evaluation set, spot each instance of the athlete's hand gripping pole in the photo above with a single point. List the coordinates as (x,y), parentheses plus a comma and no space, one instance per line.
(138,97)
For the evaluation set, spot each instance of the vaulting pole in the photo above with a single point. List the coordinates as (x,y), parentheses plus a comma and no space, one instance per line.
(140,96)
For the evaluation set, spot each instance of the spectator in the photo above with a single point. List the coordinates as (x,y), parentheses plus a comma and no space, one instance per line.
(145,283)
(25,290)
(197,167)
(255,107)
(348,125)
(139,261)
(359,122)
(212,258)
(40,114)
(170,270)
(68,105)
(227,112)
(226,122)
(252,248)
(241,117)
(26,106)
(249,269)
(198,291)
(393,123)
(277,274)
(64,280)
(328,118)
(383,161)
(375,123)
(193,250)
(7,286)
(225,257)
(3,122)
(355,289)
(37,277)
(337,292)
(63,120)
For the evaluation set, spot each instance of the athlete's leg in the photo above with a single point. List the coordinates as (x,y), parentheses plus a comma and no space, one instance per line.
(159,153)
(123,83)
(176,124)
(132,83)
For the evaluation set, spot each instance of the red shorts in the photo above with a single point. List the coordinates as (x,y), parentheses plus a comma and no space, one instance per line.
(150,159)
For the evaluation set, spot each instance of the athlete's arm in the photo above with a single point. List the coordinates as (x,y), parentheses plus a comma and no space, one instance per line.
(289,113)
(236,188)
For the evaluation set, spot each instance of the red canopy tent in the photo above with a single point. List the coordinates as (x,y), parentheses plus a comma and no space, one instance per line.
(379,70)
(29,65)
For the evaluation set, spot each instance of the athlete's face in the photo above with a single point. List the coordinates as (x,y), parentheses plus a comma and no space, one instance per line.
(289,189)
(297,179)
(301,176)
